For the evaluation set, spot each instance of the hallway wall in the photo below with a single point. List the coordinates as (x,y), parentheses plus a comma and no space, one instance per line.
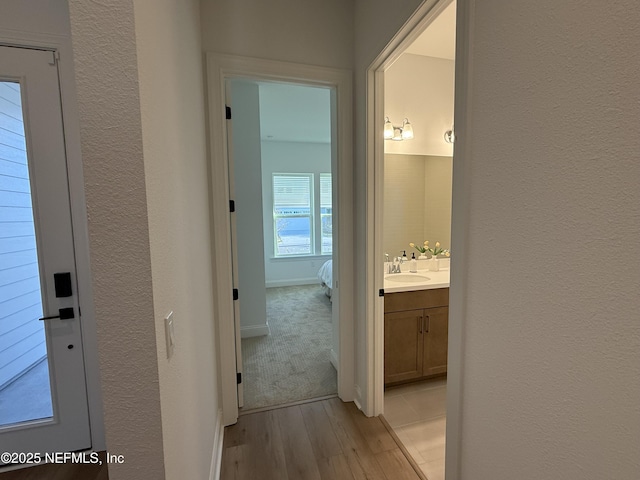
(311,33)
(551,336)
(106,74)
(172,102)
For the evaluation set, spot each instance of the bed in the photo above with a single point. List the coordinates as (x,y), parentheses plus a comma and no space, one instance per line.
(326,278)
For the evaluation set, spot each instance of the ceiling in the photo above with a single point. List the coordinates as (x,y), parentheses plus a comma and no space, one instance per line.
(294,113)
(439,39)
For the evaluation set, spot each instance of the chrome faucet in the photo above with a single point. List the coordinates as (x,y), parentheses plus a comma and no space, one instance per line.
(395,266)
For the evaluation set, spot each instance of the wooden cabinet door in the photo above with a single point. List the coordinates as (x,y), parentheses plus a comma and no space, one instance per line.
(436,338)
(403,345)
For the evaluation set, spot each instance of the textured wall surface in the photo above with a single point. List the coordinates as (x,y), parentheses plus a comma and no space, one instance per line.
(552,331)
(307,32)
(107,86)
(174,145)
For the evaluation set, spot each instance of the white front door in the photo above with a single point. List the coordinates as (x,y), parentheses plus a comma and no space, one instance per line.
(43,397)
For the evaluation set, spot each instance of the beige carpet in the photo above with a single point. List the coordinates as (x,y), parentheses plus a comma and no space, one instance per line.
(293,362)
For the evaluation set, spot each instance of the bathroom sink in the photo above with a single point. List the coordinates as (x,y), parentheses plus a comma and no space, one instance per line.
(406,277)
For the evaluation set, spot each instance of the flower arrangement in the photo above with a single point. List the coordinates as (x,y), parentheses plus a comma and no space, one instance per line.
(434,251)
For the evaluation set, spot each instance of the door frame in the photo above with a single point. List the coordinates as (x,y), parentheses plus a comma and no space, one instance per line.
(220,67)
(374,312)
(75,177)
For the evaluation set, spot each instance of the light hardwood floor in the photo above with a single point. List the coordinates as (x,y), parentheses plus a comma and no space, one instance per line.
(67,471)
(327,439)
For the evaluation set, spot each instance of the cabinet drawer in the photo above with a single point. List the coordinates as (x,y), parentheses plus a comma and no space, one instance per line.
(400,301)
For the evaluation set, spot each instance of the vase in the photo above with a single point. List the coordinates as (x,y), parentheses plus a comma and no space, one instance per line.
(422,257)
(434,264)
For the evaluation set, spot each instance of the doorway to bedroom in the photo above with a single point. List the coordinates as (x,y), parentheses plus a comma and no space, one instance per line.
(281,182)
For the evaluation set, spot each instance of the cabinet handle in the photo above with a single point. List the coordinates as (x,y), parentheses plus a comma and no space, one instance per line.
(421,323)
(426,324)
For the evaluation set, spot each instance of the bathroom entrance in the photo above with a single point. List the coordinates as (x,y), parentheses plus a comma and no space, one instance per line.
(414,89)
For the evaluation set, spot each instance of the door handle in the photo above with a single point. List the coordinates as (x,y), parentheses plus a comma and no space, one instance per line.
(63,314)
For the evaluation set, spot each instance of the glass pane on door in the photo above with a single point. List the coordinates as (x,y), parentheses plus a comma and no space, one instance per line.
(25,391)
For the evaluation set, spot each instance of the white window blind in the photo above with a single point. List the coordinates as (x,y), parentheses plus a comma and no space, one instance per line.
(293,224)
(326,220)
(291,191)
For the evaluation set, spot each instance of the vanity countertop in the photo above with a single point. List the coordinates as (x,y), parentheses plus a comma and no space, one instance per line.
(395,282)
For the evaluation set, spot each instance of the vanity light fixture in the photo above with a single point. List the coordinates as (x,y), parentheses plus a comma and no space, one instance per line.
(391,132)
(450,136)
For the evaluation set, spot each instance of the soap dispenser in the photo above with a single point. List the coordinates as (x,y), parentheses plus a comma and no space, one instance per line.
(413,266)
(404,256)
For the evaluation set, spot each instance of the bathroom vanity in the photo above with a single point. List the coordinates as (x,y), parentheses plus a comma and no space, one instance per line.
(416,320)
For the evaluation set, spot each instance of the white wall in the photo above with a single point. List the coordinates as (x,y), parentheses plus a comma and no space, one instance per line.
(420,89)
(552,338)
(106,73)
(170,65)
(290,157)
(312,33)
(245,101)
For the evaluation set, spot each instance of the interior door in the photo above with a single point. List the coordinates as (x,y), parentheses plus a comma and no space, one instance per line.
(234,251)
(43,399)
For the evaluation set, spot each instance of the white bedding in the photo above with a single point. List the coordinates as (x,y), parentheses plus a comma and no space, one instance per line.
(326,277)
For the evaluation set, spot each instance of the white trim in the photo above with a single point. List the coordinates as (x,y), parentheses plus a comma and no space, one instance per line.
(219,68)
(255,331)
(374,401)
(216,454)
(71,125)
(459,235)
(333,358)
(358,399)
(293,282)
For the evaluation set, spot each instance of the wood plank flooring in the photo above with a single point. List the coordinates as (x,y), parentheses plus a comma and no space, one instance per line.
(66,471)
(323,440)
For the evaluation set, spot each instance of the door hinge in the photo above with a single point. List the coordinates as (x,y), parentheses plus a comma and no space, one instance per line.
(239,377)
(235,293)
(232,206)
(55,56)
(227,110)
(381,292)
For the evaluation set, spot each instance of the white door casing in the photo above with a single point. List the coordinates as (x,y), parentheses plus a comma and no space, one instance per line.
(219,68)
(36,71)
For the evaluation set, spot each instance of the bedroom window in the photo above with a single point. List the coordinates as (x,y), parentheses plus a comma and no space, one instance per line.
(293,214)
(302,218)
(326,226)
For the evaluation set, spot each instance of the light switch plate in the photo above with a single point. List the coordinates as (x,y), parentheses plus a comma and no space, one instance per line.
(169,334)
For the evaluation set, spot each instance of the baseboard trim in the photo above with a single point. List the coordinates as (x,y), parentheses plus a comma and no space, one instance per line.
(255,331)
(292,282)
(333,358)
(358,397)
(216,455)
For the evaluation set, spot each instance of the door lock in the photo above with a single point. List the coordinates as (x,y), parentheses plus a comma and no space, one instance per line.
(63,314)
